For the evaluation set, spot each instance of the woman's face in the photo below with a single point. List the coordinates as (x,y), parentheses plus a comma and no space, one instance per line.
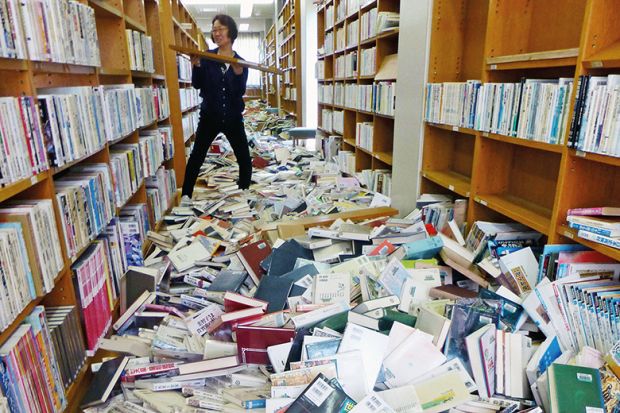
(220,34)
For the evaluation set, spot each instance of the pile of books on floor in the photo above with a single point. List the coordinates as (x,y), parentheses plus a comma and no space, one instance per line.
(250,301)
(259,120)
(599,224)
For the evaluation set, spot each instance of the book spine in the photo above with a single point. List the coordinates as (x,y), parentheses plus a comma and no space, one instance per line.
(585,211)
(595,230)
(254,404)
(610,242)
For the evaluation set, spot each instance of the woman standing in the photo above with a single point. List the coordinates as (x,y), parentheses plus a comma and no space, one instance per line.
(222,87)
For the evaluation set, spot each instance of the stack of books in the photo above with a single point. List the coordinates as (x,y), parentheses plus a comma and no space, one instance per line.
(119,110)
(363,135)
(601,224)
(369,24)
(368,61)
(151,151)
(127,170)
(190,97)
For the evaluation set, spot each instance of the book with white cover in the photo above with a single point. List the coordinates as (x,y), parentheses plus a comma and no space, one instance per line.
(278,355)
(402,399)
(432,393)
(435,324)
(372,346)
(417,287)
(451,365)
(372,403)
(415,356)
(522,268)
(331,288)
(481,349)
(184,258)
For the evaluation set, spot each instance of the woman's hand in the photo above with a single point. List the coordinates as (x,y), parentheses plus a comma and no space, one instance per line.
(195,60)
(238,69)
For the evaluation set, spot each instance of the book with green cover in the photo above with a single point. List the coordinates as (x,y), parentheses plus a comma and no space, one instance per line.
(575,389)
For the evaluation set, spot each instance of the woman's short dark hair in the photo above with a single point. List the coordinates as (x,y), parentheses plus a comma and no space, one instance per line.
(229,22)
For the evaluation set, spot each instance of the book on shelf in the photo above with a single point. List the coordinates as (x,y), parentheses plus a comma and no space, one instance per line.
(85,203)
(95,293)
(189,97)
(62,32)
(73,122)
(23,153)
(134,221)
(368,24)
(145,106)
(594,120)
(37,223)
(184,67)
(534,109)
(29,368)
(140,48)
(162,102)
(386,21)
(119,109)
(126,168)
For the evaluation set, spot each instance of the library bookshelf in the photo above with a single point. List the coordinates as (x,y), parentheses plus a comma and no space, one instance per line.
(379,155)
(289,42)
(269,59)
(166,22)
(507,178)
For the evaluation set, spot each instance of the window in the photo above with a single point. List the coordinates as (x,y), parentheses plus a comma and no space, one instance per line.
(247,46)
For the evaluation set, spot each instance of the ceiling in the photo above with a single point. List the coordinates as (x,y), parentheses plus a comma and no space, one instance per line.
(204,13)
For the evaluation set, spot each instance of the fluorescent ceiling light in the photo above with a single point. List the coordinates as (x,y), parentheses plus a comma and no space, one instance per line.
(244,27)
(209,9)
(246,9)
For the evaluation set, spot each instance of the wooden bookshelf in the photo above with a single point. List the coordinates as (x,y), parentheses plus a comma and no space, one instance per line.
(167,22)
(289,43)
(380,156)
(269,89)
(508,178)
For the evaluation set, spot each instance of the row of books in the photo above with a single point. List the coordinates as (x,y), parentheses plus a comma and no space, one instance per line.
(328,46)
(190,97)
(160,191)
(377,180)
(329,16)
(184,67)
(22,154)
(85,199)
(379,97)
(96,295)
(369,24)
(326,120)
(346,162)
(363,135)
(167,141)
(30,229)
(319,69)
(338,121)
(594,125)
(190,124)
(346,65)
(146,111)
(127,171)
(325,93)
(140,47)
(53,30)
(368,59)
(162,102)
(600,225)
(290,93)
(341,38)
(352,33)
(534,109)
(151,151)
(30,373)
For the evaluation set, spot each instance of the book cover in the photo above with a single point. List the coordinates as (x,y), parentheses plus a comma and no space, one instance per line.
(253,342)
(251,255)
(104,381)
(322,396)
(575,389)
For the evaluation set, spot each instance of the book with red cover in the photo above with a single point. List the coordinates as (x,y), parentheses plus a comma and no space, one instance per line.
(385,248)
(235,302)
(252,342)
(259,162)
(251,255)
(609,211)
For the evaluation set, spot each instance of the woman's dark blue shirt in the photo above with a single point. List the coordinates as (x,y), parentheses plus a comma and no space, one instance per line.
(221,90)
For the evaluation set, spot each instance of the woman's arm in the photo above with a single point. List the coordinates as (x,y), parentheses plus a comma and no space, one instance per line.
(241,77)
(198,75)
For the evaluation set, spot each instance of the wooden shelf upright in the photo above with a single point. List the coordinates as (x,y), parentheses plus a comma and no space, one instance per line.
(507,178)
(339,19)
(289,42)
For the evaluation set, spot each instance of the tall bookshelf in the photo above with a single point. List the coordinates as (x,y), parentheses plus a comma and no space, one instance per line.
(269,79)
(289,42)
(379,156)
(166,23)
(507,178)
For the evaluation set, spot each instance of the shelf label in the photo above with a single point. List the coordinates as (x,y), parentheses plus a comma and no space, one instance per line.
(568,234)
(596,64)
(485,134)
(33,180)
(455,128)
(581,154)
(481,201)
(451,187)
(493,67)
(467,194)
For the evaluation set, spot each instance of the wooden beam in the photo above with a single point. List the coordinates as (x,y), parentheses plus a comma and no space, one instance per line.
(226,59)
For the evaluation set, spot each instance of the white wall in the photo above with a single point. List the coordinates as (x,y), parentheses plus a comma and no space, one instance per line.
(308,62)
(413,47)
